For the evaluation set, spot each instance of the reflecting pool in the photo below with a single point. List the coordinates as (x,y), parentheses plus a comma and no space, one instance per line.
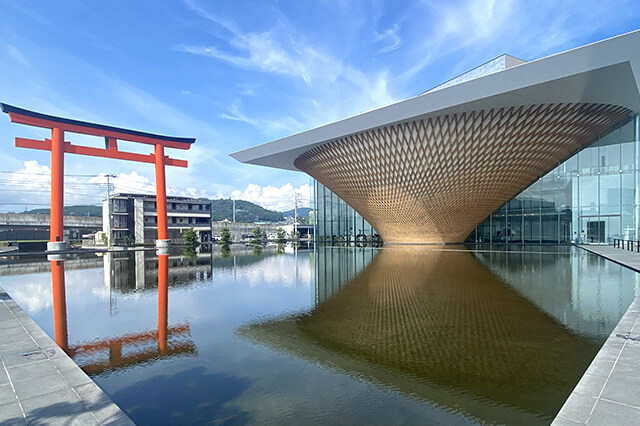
(332,335)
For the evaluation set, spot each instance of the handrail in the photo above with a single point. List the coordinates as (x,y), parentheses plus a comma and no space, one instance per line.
(627,244)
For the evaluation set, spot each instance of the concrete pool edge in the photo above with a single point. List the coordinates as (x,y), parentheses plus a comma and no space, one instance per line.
(38,380)
(608,391)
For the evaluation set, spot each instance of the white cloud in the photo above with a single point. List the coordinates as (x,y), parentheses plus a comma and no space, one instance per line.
(273,198)
(30,188)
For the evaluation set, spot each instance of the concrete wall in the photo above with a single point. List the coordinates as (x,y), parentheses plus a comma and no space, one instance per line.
(237,229)
(22,219)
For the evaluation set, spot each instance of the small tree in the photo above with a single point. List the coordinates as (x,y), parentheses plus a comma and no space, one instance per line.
(191,242)
(256,238)
(281,236)
(225,251)
(225,237)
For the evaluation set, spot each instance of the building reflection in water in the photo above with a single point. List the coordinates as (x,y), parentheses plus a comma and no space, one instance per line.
(443,327)
(112,353)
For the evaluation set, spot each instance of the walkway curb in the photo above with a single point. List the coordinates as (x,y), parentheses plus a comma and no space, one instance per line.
(39,383)
(608,393)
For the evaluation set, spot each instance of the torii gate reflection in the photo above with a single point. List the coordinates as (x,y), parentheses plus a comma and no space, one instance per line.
(170,341)
(111,135)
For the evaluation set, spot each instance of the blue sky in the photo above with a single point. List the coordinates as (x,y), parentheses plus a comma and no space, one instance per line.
(234,74)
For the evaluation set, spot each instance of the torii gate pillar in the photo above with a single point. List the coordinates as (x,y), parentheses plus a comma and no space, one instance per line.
(56,227)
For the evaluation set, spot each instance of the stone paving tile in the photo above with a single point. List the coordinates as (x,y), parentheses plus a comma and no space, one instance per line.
(4,379)
(20,357)
(33,370)
(50,387)
(578,407)
(53,407)
(41,385)
(622,385)
(11,415)
(610,413)
(590,385)
(6,395)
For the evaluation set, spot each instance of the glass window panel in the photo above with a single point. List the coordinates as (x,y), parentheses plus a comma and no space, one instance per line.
(628,152)
(571,165)
(628,188)
(613,230)
(549,228)
(531,231)
(588,211)
(610,189)
(609,209)
(499,227)
(514,229)
(588,190)
(610,158)
(627,132)
(588,160)
(611,138)
(628,227)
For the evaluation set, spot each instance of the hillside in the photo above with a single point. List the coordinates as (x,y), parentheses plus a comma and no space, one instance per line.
(220,210)
(95,211)
(302,212)
(245,212)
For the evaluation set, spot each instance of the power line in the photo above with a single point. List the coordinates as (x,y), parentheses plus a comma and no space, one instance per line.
(46,174)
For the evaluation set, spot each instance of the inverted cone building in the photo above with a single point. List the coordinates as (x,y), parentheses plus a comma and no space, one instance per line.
(431,168)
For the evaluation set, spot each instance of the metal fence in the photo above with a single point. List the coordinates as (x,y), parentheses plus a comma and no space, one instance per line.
(631,245)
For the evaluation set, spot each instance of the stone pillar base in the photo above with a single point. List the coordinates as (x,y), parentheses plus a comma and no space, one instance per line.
(163,246)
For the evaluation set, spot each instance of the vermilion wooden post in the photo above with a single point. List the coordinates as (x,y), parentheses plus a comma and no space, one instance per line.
(59,304)
(163,300)
(161,195)
(56,229)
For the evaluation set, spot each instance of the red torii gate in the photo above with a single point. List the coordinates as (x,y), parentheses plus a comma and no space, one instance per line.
(59,147)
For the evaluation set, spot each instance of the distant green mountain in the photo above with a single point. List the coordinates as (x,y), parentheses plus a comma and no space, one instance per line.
(95,211)
(245,212)
(302,212)
(220,210)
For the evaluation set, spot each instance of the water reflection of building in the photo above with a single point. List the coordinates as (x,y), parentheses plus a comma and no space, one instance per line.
(594,294)
(440,326)
(334,268)
(130,271)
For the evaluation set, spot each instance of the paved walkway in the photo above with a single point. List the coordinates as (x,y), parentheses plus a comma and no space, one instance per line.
(609,391)
(39,383)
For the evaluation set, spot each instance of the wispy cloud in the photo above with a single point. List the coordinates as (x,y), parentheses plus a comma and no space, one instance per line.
(283,51)
(270,127)
(389,38)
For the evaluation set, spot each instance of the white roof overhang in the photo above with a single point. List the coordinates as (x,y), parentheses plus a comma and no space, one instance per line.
(606,72)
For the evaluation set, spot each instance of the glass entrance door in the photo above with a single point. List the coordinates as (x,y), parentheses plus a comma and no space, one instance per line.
(595,231)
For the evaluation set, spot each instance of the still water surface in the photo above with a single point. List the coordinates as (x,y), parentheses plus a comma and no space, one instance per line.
(396,335)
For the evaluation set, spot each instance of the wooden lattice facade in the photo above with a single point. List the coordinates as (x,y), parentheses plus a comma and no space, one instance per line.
(433,180)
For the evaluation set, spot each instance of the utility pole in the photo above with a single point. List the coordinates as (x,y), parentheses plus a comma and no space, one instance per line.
(234,211)
(109,209)
(295,211)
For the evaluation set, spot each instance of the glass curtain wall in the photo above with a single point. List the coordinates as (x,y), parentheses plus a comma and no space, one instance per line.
(334,219)
(591,197)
